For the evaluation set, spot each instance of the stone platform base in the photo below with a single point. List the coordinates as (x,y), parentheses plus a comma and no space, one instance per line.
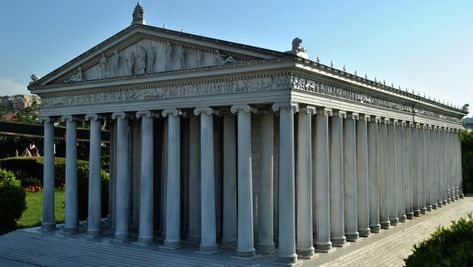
(387,248)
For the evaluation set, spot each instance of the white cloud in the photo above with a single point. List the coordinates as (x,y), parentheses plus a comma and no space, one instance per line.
(9,86)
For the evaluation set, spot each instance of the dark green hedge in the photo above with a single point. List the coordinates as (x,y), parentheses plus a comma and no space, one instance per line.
(29,170)
(12,201)
(467,161)
(452,246)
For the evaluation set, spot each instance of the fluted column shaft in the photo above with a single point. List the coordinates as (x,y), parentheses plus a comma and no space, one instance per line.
(304,247)
(420,169)
(245,242)
(123,177)
(194,180)
(392,173)
(383,174)
(71,218)
(49,222)
(373,175)
(434,162)
(349,174)
(416,171)
(438,166)
(207,175)
(94,225)
(146,177)
(362,175)
(408,165)
(337,227)
(287,224)
(230,217)
(432,203)
(173,182)
(322,182)
(265,213)
(403,181)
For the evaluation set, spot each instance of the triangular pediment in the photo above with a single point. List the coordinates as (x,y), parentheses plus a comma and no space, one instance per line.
(141,49)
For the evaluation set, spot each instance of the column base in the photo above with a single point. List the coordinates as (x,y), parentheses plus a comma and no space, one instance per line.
(417,213)
(171,244)
(429,208)
(290,260)
(462,196)
(352,237)
(207,249)
(444,202)
(385,225)
(47,227)
(434,206)
(121,237)
(457,197)
(375,228)
(245,253)
(364,232)
(145,239)
(439,204)
(265,248)
(93,234)
(69,229)
(423,210)
(339,241)
(448,201)
(306,253)
(323,247)
(403,218)
(394,221)
(410,215)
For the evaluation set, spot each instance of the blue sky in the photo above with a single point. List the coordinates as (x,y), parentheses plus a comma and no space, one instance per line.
(422,45)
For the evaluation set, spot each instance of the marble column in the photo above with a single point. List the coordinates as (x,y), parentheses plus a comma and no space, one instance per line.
(438,165)
(383,174)
(403,177)
(304,246)
(418,157)
(443,166)
(173,182)
(245,242)
(407,170)
(208,243)
(194,180)
(362,184)
(230,216)
(337,227)
(322,182)
(49,222)
(287,224)
(426,175)
(71,217)
(420,169)
(433,168)
(146,222)
(458,174)
(349,175)
(429,160)
(123,177)
(392,173)
(265,212)
(414,167)
(94,222)
(373,175)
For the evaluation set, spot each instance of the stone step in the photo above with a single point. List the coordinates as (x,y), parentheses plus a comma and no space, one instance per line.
(34,247)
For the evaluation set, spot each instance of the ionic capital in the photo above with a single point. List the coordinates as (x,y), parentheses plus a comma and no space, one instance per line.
(307,109)
(68,118)
(376,119)
(385,121)
(243,108)
(353,116)
(418,125)
(341,114)
(44,119)
(365,117)
(205,110)
(287,106)
(146,114)
(93,116)
(119,115)
(171,112)
(394,122)
(325,111)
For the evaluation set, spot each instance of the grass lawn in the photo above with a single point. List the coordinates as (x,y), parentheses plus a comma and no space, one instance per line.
(34,209)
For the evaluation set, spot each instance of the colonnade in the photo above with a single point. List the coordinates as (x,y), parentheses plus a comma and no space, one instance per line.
(341,176)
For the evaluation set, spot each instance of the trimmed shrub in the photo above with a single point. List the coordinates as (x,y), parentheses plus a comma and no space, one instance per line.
(450,246)
(12,201)
(467,161)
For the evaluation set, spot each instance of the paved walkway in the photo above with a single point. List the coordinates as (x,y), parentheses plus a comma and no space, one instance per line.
(28,247)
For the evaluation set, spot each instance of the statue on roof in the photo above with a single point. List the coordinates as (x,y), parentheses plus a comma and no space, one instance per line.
(297,48)
(465,107)
(138,14)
